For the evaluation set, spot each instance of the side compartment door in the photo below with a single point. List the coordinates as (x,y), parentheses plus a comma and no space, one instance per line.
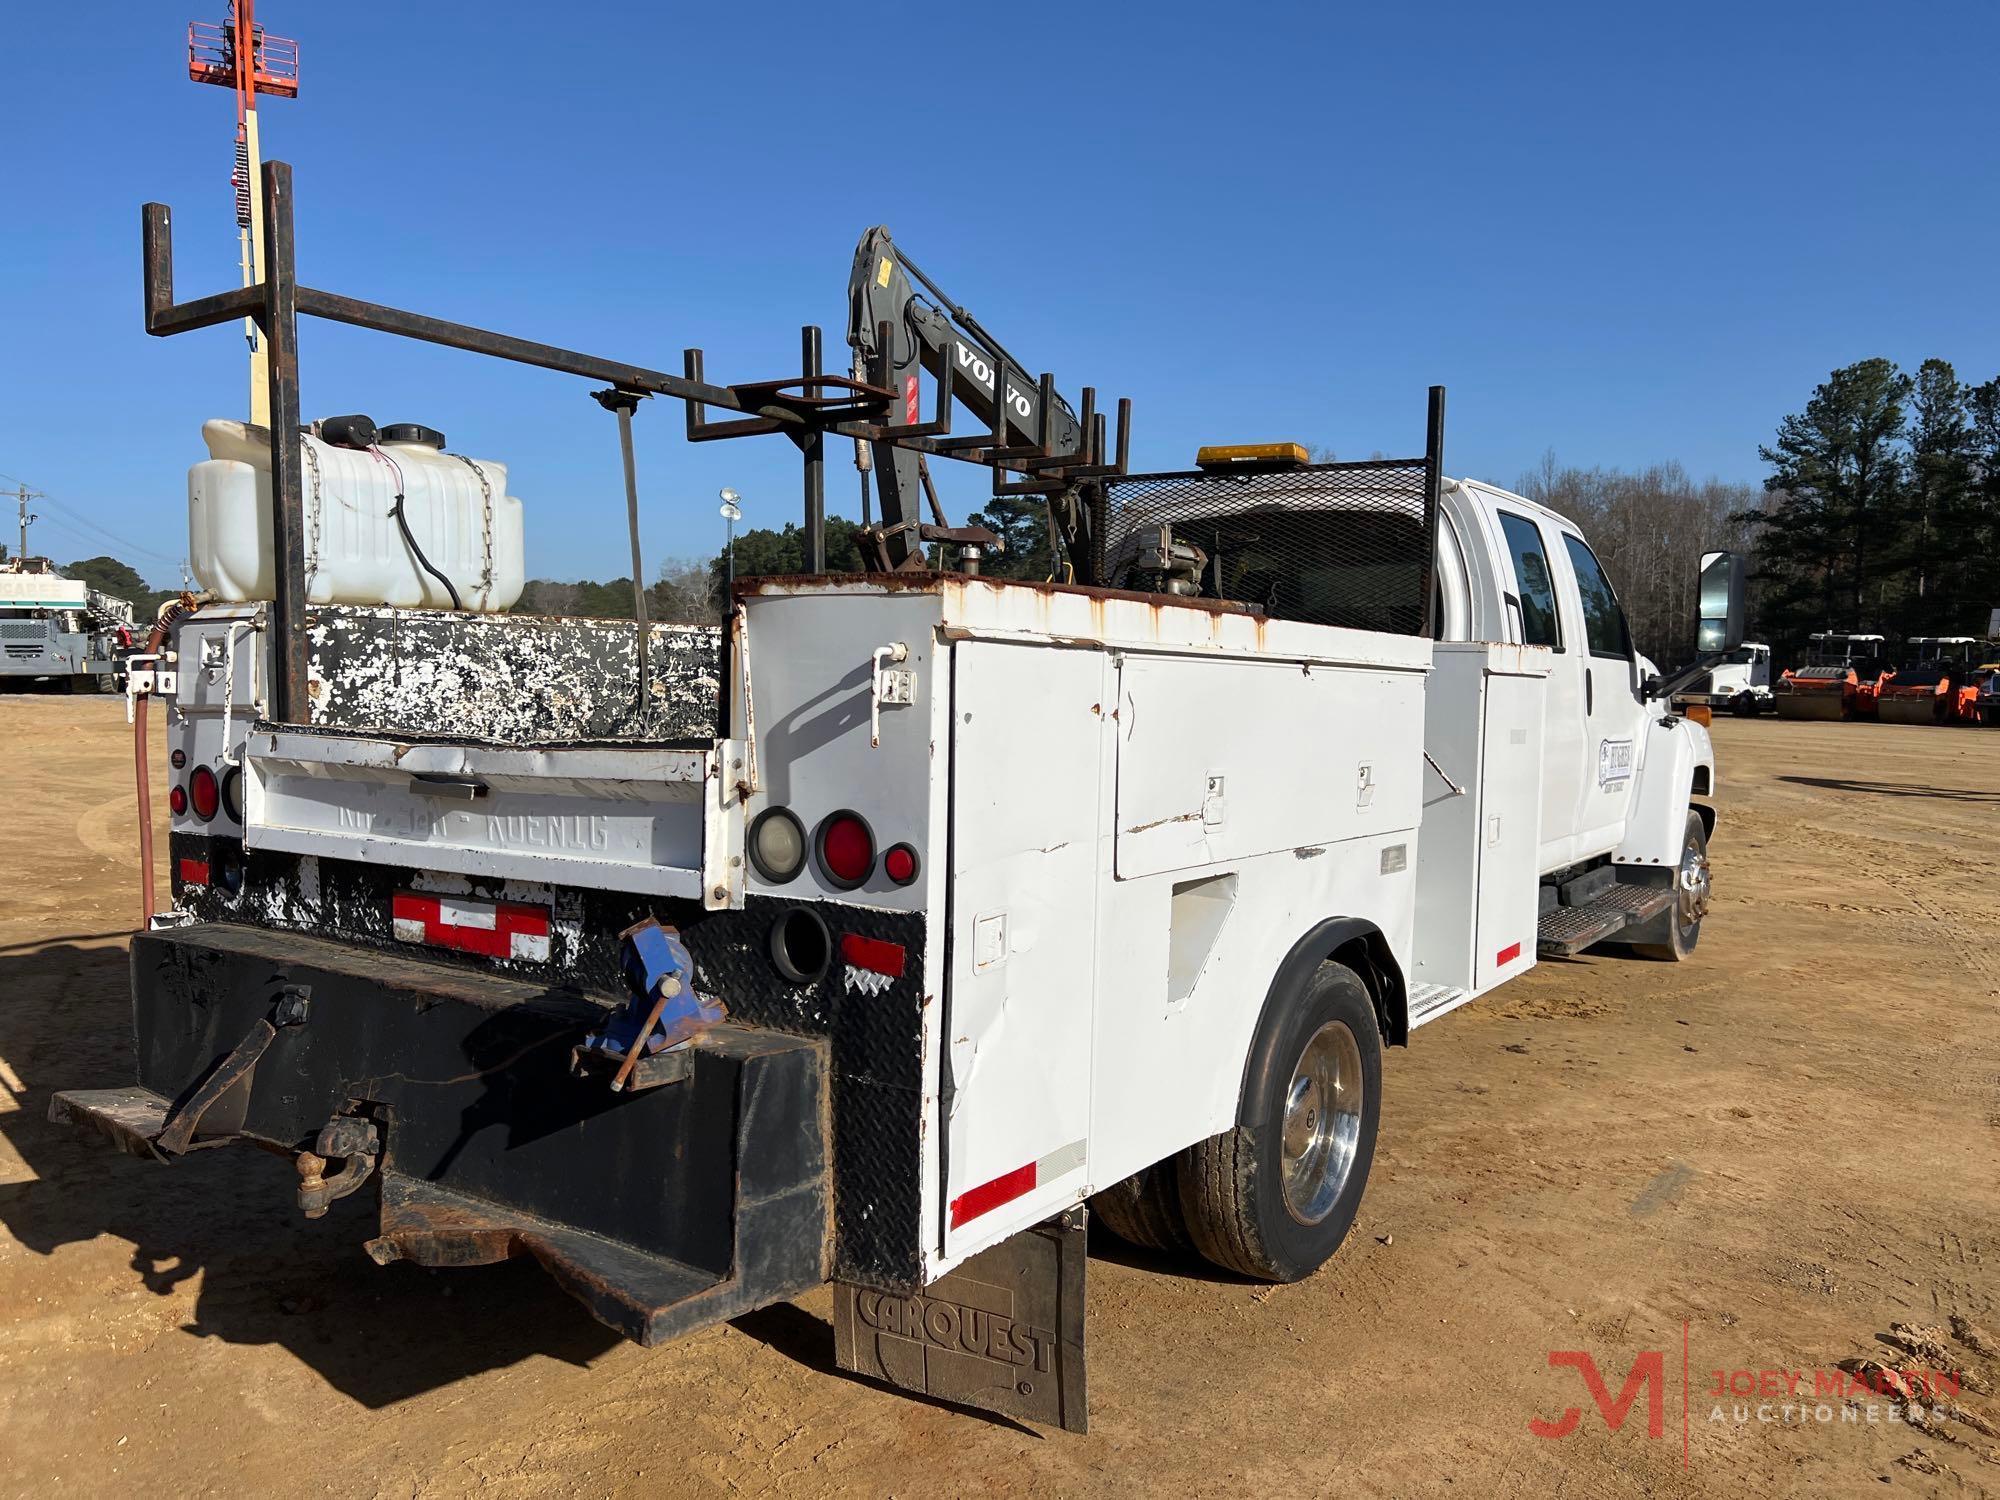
(1028,736)
(1534,609)
(1614,715)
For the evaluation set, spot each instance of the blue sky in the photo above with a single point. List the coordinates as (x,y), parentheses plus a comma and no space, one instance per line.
(1625,233)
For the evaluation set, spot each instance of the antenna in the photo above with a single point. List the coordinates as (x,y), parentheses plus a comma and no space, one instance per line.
(239,55)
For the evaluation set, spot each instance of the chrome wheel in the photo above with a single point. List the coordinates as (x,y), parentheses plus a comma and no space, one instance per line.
(1322,1121)
(1692,886)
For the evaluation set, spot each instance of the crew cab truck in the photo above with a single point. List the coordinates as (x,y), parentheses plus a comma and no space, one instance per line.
(1000,899)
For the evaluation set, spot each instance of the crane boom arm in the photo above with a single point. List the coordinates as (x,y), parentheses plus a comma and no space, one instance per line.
(882,289)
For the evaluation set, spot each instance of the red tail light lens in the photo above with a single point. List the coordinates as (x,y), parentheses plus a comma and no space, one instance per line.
(846,850)
(177,799)
(900,864)
(205,792)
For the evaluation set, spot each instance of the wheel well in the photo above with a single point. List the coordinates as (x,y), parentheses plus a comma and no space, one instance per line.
(1357,943)
(1706,813)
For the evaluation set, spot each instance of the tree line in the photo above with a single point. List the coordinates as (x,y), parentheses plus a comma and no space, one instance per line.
(1883,507)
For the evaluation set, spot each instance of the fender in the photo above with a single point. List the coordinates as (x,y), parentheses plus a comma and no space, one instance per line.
(1367,953)
(1678,765)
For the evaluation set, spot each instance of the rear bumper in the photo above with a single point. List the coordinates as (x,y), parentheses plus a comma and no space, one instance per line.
(663,1210)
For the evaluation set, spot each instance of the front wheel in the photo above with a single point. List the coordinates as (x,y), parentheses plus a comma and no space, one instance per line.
(1691,893)
(1274,1196)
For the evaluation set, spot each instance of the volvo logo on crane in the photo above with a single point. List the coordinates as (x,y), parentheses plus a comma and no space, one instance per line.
(973,361)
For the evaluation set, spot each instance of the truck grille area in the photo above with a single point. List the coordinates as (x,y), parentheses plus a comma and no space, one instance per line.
(873,1024)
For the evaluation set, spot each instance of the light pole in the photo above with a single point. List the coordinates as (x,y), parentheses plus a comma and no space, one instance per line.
(731,514)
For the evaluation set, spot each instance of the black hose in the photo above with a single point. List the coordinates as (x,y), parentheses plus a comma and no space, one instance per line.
(403,524)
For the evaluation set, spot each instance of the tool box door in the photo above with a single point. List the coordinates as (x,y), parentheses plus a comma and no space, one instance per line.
(1027,771)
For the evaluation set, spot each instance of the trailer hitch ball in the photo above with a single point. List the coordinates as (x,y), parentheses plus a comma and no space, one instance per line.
(349,1139)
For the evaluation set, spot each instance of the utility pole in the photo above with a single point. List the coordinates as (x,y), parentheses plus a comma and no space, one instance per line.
(23,495)
(240,56)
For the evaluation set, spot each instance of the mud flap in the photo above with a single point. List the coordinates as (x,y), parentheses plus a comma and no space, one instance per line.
(1003,1332)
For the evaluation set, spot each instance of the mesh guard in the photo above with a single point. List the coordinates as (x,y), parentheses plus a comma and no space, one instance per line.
(1329,544)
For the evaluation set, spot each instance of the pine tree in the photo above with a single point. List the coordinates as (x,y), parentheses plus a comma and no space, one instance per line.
(1942,505)
(1839,476)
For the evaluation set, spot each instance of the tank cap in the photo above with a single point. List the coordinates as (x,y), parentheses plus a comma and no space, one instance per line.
(413,432)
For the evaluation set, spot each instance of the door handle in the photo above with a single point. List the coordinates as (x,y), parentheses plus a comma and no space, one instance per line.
(1589,691)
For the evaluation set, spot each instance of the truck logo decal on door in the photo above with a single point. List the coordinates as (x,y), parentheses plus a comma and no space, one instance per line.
(1614,763)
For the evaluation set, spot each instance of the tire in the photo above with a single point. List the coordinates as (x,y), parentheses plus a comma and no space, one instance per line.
(1274,1196)
(1744,706)
(1691,884)
(1145,1210)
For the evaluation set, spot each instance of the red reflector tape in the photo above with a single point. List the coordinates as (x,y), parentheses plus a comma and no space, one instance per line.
(1507,954)
(872,954)
(988,1196)
(194,872)
(493,929)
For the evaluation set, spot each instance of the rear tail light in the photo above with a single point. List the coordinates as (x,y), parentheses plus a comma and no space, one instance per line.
(204,792)
(846,850)
(777,844)
(177,799)
(900,864)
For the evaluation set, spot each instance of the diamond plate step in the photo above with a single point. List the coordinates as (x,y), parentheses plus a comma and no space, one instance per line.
(1566,931)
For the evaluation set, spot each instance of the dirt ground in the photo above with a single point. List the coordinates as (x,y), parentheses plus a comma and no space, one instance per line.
(1761,1160)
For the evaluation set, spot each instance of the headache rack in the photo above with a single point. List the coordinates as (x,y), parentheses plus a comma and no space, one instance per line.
(1350,544)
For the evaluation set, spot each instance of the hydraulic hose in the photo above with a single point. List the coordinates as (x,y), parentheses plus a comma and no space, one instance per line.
(170,615)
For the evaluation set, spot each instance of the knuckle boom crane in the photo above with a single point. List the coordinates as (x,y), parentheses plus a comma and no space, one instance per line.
(896,334)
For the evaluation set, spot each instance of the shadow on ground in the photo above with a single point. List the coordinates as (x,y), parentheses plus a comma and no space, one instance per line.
(1896,788)
(230,1217)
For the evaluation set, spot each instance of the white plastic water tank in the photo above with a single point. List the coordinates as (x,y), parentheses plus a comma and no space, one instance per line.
(458,510)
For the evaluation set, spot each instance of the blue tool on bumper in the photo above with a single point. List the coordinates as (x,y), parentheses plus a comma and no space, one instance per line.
(663,1009)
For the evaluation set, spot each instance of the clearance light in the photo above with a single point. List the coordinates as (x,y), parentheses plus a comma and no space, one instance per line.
(900,864)
(1699,712)
(1250,455)
(846,850)
(177,799)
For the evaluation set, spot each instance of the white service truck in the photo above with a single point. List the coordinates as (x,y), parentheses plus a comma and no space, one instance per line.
(1019,897)
(1739,682)
(58,633)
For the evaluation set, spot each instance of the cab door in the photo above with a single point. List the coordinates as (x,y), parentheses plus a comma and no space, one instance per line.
(1613,713)
(1534,614)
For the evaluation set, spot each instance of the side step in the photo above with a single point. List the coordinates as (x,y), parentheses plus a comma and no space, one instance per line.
(1429,1001)
(1566,931)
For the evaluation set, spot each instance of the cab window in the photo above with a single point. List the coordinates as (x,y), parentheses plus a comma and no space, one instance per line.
(1533,579)
(1603,621)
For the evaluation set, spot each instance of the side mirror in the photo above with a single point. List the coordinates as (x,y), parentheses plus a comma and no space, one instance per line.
(1722,591)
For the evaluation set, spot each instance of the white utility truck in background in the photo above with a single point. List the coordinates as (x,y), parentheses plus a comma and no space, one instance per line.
(56,632)
(1740,682)
(876,937)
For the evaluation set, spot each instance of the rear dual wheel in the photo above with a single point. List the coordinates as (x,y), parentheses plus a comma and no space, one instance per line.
(1274,1196)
